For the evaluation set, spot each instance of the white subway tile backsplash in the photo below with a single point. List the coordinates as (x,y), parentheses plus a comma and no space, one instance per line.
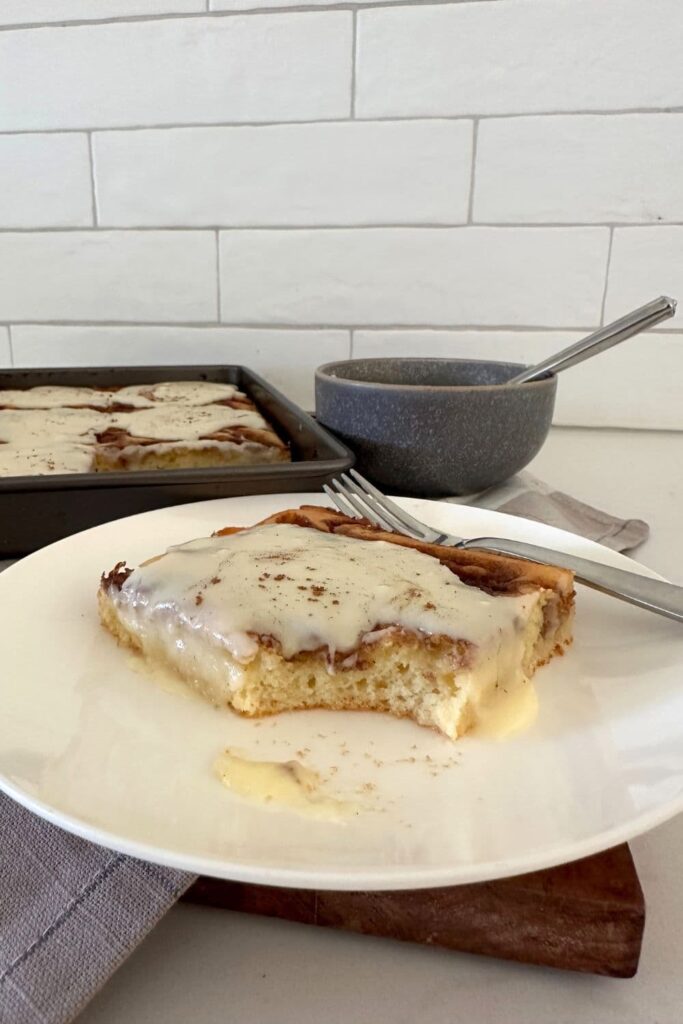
(33,12)
(644,374)
(519,56)
(579,168)
(311,172)
(348,173)
(646,262)
(44,181)
(286,358)
(182,70)
(407,276)
(5,350)
(108,275)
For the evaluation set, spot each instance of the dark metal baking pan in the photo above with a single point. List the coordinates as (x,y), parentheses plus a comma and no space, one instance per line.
(37,510)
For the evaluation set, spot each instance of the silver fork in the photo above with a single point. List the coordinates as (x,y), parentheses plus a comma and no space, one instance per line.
(358,498)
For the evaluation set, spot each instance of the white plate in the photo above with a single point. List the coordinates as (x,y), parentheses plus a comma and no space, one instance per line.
(94,746)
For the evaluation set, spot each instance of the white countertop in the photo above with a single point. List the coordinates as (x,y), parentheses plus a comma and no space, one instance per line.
(206,966)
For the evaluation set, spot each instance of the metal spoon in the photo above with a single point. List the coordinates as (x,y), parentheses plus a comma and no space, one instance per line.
(633,323)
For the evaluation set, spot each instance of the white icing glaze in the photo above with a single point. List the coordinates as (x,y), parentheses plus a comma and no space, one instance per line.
(26,428)
(181,392)
(185,423)
(201,446)
(308,590)
(47,433)
(64,458)
(49,397)
(140,396)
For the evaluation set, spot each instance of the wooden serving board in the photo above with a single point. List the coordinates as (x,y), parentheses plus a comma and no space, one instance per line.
(585,916)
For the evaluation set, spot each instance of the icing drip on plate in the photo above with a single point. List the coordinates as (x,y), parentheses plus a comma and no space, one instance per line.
(286,785)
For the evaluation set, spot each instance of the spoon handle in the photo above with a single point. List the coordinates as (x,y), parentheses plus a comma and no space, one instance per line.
(633,323)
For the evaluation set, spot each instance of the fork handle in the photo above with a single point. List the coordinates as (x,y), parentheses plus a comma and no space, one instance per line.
(654,595)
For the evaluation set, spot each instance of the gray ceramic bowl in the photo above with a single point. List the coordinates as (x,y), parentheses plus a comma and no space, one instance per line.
(434,426)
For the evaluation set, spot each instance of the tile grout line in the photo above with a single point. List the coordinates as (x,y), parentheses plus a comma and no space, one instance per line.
(352,340)
(343,119)
(218,275)
(350,226)
(475,139)
(303,8)
(93,189)
(607,269)
(11,345)
(344,327)
(354,55)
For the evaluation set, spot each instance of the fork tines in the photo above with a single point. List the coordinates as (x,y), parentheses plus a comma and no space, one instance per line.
(358,498)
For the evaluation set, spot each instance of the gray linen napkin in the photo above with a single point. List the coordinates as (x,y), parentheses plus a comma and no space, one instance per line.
(71,912)
(525,495)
